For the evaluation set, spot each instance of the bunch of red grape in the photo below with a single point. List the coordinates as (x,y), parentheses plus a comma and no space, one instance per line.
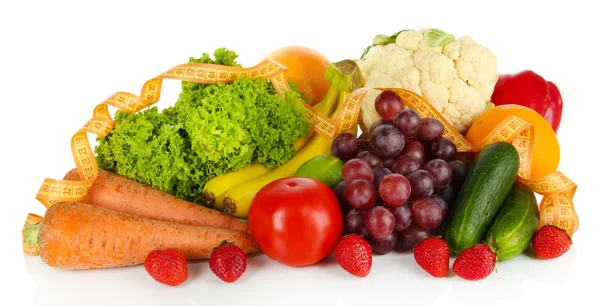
(400,177)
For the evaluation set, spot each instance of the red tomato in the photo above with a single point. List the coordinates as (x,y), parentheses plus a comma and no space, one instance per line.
(296,220)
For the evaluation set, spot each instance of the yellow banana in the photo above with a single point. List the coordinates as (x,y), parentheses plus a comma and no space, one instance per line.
(239,198)
(326,107)
(215,189)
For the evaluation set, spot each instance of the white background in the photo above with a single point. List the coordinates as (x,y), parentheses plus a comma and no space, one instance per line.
(59,59)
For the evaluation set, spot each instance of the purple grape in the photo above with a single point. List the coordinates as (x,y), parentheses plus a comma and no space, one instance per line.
(388,105)
(405,165)
(416,150)
(354,222)
(408,121)
(361,194)
(389,162)
(408,238)
(443,148)
(356,169)
(383,245)
(430,129)
(378,174)
(459,173)
(394,189)
(340,193)
(386,141)
(373,160)
(421,184)
(427,213)
(379,221)
(443,204)
(441,171)
(344,146)
(378,123)
(402,216)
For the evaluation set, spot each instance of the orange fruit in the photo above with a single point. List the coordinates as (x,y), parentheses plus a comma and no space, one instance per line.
(546,151)
(306,69)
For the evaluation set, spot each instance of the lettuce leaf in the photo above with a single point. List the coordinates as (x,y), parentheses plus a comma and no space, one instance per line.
(210,130)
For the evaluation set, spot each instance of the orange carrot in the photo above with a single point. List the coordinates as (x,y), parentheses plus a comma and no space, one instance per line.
(122,194)
(84,236)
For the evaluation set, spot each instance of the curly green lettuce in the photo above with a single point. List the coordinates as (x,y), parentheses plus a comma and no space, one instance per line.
(210,130)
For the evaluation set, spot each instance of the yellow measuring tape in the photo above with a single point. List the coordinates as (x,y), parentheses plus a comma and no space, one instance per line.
(54,191)
(556,207)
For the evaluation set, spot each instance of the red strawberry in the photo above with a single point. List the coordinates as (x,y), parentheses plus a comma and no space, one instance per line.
(354,254)
(228,262)
(475,263)
(551,242)
(167,266)
(433,255)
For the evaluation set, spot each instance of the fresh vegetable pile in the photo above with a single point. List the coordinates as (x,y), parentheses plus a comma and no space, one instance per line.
(445,166)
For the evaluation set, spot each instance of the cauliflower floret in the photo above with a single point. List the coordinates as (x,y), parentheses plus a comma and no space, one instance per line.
(381,78)
(409,40)
(456,76)
(476,65)
(409,78)
(437,72)
(399,72)
(465,104)
(377,53)
(436,94)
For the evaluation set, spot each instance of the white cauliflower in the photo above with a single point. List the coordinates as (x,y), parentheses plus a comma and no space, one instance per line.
(456,76)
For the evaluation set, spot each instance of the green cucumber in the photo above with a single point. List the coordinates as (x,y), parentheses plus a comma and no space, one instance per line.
(487,184)
(516,222)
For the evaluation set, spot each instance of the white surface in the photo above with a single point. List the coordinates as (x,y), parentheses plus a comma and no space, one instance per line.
(58,60)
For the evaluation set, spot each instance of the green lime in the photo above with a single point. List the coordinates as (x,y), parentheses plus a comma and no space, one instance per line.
(324,168)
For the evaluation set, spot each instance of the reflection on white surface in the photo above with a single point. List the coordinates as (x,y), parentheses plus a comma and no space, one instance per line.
(394,277)
(508,282)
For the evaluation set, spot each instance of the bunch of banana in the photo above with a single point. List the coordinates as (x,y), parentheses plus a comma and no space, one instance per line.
(233,192)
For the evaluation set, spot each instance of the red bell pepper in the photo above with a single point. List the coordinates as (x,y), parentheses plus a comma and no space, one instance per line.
(526,88)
